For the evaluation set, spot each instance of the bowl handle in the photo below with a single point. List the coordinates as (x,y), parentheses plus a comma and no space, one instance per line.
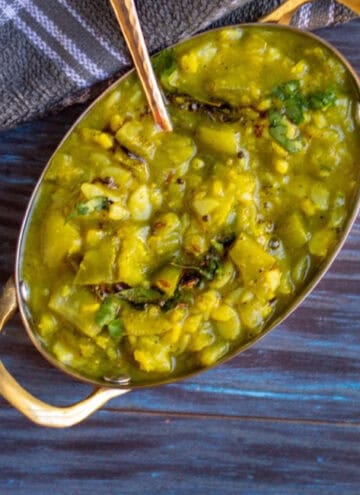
(283,14)
(36,410)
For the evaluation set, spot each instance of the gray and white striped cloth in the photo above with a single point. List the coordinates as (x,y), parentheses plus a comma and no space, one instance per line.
(56,52)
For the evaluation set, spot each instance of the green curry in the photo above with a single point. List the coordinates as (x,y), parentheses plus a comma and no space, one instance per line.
(151,254)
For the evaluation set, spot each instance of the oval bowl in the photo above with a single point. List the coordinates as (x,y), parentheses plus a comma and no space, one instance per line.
(123,383)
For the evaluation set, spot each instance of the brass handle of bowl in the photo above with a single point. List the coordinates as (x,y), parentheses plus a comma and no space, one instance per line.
(36,410)
(284,13)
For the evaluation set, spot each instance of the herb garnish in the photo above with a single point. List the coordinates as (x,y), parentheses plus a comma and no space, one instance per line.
(322,101)
(192,276)
(290,105)
(140,295)
(107,316)
(294,103)
(98,203)
(164,65)
(278,130)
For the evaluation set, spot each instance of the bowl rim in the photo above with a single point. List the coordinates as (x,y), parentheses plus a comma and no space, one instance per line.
(125,383)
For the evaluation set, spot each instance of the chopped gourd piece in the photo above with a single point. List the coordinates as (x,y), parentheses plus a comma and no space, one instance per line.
(320,196)
(93,237)
(103,139)
(63,352)
(153,357)
(321,242)
(48,325)
(267,284)
(133,259)
(189,62)
(205,206)
(116,121)
(78,306)
(58,239)
(147,322)
(220,139)
(245,186)
(118,174)
(97,266)
(175,153)
(139,204)
(294,232)
(139,137)
(118,212)
(167,279)
(166,237)
(250,258)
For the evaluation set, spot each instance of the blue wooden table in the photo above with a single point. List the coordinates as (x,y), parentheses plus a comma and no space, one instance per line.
(281,418)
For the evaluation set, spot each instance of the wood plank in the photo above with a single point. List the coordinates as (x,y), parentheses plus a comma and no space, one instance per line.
(136,454)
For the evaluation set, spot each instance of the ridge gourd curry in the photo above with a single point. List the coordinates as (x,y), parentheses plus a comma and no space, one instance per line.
(151,254)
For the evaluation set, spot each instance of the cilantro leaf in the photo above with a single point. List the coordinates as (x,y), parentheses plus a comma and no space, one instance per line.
(278,130)
(293,101)
(279,134)
(322,100)
(164,65)
(94,204)
(286,90)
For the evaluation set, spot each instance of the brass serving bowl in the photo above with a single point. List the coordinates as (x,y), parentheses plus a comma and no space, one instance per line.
(13,296)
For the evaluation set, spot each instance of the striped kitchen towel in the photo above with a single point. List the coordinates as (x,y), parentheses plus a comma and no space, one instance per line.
(57,52)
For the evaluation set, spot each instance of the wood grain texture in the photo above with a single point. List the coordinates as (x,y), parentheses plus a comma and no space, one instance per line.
(281,418)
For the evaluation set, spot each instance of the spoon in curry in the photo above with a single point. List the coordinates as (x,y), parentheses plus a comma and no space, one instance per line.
(126,15)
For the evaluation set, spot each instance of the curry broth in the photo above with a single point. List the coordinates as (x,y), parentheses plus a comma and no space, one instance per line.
(150,254)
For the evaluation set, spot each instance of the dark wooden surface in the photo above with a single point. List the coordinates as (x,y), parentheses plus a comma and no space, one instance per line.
(281,418)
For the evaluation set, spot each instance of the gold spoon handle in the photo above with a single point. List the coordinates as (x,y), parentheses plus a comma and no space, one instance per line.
(128,20)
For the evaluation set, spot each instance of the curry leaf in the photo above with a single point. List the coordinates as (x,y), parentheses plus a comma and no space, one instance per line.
(140,295)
